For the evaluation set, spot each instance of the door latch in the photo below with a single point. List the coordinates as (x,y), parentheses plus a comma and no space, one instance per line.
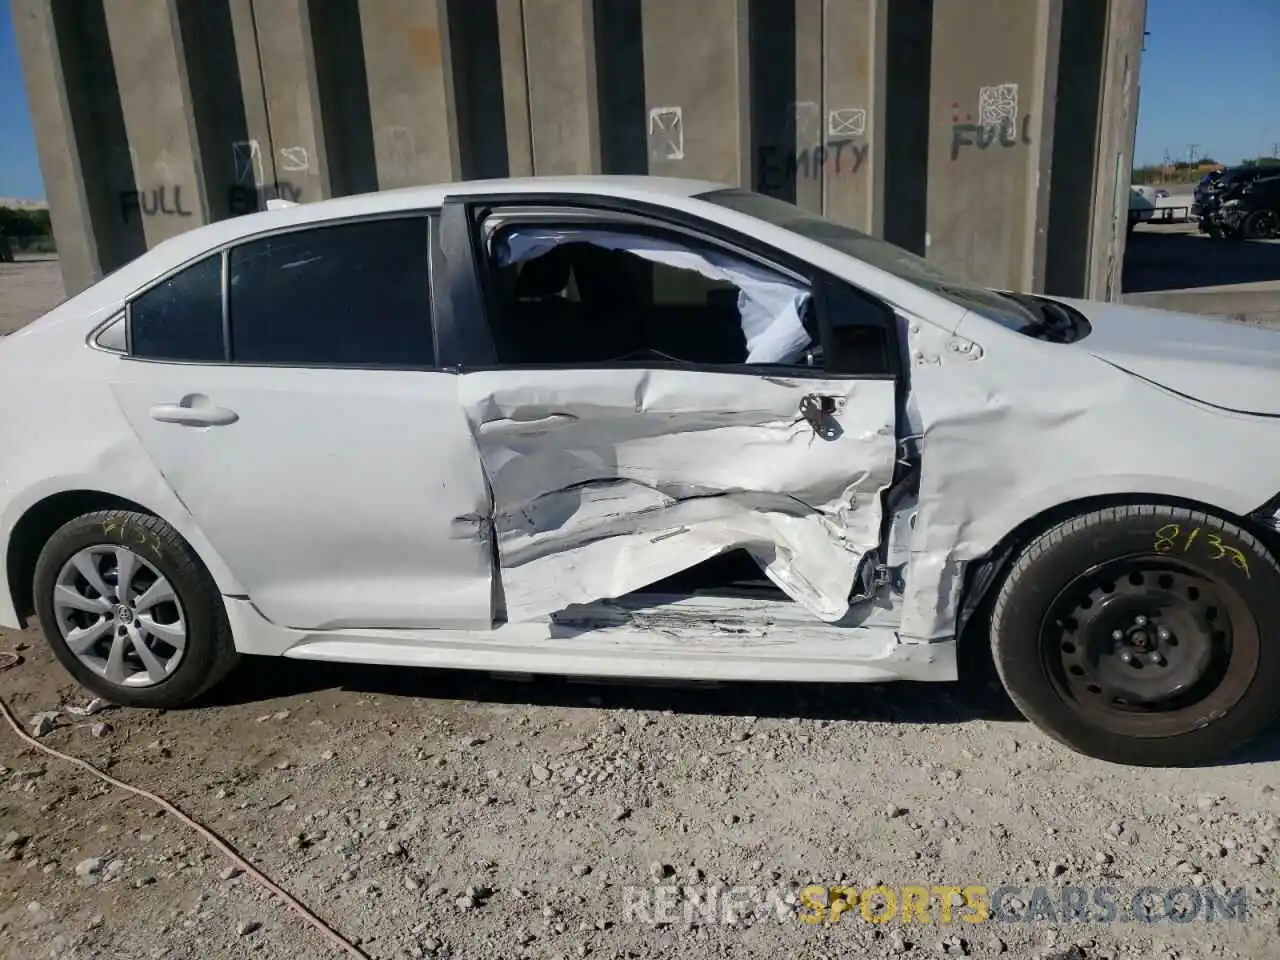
(818,411)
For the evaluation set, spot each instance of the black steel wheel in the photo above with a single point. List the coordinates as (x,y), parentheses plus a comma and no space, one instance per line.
(1137,634)
(1146,647)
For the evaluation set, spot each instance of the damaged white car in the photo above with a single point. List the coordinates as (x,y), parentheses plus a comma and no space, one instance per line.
(643,428)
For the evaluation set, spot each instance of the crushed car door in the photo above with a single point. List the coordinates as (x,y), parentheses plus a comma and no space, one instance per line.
(657,402)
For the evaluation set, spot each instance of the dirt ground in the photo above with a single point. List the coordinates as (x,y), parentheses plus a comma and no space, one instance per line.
(449,814)
(28,288)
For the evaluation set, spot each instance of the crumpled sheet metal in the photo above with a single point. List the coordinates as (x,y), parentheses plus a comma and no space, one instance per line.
(656,471)
(1009,432)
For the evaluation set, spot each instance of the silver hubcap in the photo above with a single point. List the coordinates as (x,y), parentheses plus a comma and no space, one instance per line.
(120,616)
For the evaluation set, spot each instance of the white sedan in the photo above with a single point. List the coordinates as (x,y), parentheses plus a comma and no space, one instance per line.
(643,428)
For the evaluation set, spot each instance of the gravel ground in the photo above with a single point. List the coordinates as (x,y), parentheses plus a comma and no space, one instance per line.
(436,814)
(451,814)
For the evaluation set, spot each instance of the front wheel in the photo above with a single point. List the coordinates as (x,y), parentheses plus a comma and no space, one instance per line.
(130,611)
(1138,634)
(1261,225)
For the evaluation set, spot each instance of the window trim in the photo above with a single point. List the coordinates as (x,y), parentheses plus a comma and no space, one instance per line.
(223,250)
(626,216)
(94,339)
(605,220)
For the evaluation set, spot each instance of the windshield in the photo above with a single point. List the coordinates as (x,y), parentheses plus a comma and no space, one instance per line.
(877,253)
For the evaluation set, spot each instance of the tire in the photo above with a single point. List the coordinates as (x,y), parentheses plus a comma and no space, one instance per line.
(1261,225)
(153,550)
(1189,684)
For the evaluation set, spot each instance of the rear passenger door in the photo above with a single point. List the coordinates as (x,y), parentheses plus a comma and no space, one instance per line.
(654,397)
(287,389)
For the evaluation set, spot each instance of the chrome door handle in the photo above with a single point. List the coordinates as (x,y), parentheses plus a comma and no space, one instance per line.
(193,415)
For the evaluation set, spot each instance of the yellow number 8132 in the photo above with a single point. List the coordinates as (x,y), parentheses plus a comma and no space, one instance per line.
(1172,539)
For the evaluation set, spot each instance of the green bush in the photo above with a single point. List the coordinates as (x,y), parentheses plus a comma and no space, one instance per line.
(27,230)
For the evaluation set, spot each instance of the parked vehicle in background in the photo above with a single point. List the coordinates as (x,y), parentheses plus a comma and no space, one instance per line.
(1219,186)
(642,427)
(1142,204)
(1208,185)
(1249,209)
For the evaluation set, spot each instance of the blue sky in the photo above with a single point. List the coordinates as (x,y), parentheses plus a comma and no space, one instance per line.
(19,168)
(1210,77)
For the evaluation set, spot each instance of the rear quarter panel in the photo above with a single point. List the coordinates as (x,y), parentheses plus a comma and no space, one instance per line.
(61,430)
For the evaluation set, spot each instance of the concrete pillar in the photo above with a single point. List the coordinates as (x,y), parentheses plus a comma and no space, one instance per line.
(854,57)
(620,79)
(515,88)
(293,161)
(54,80)
(994,135)
(249,174)
(476,75)
(697,89)
(560,55)
(808,116)
(406,45)
(226,97)
(342,80)
(991,90)
(1115,134)
(1074,162)
(905,119)
(167,196)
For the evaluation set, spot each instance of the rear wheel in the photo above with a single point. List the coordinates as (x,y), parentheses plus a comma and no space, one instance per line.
(1137,634)
(130,611)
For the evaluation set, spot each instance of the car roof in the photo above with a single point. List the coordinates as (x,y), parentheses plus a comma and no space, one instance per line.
(1253,171)
(433,195)
(192,244)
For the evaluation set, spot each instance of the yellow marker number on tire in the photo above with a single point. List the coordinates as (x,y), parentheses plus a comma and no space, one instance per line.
(1171,539)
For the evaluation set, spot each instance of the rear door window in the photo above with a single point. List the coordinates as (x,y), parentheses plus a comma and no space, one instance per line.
(353,294)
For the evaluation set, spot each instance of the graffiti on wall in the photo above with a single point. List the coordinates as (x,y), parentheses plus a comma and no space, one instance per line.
(169,200)
(776,166)
(251,187)
(248,192)
(161,201)
(242,199)
(842,151)
(666,133)
(998,123)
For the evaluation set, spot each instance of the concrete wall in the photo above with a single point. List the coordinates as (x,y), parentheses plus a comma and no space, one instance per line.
(992,135)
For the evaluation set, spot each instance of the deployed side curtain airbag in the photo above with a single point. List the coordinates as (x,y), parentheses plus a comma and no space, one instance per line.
(770,306)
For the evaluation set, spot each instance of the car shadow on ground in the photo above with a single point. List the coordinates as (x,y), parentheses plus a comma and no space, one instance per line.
(978,698)
(262,678)
(1177,261)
